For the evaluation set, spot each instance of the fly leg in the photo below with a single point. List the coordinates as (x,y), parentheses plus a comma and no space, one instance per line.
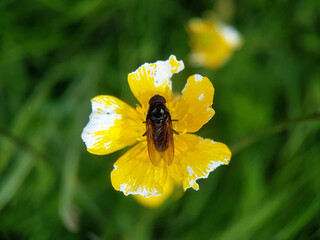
(174,131)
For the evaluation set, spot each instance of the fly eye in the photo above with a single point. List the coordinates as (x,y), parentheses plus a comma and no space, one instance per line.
(161,111)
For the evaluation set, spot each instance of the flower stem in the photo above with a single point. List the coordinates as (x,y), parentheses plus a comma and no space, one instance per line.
(274,128)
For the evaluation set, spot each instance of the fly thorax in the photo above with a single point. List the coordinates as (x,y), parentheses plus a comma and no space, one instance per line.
(157,114)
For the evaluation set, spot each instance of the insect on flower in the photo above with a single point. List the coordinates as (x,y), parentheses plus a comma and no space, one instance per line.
(165,152)
(159,131)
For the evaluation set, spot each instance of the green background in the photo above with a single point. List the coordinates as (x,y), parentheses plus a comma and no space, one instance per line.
(56,55)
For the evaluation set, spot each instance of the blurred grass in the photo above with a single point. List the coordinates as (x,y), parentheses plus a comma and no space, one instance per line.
(56,55)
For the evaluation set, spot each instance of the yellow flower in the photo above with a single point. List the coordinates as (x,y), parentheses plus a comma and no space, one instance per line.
(114,125)
(212,42)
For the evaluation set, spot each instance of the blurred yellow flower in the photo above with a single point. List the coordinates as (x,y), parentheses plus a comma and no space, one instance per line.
(211,42)
(114,125)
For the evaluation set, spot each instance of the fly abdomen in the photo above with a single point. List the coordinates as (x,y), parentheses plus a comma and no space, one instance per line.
(160,138)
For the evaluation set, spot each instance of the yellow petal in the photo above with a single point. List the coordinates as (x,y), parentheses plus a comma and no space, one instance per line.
(193,109)
(196,158)
(154,78)
(113,125)
(134,173)
(156,201)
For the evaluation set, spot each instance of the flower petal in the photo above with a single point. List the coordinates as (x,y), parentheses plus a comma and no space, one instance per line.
(156,201)
(196,158)
(113,125)
(154,78)
(134,173)
(193,109)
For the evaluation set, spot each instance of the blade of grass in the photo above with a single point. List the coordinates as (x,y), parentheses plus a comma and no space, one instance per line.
(67,211)
(33,104)
(19,173)
(15,179)
(243,226)
(296,224)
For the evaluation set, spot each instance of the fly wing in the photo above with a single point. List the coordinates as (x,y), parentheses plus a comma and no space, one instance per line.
(154,155)
(169,153)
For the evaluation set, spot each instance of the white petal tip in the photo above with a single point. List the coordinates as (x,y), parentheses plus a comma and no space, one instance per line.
(198,77)
(180,66)
(143,191)
(231,35)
